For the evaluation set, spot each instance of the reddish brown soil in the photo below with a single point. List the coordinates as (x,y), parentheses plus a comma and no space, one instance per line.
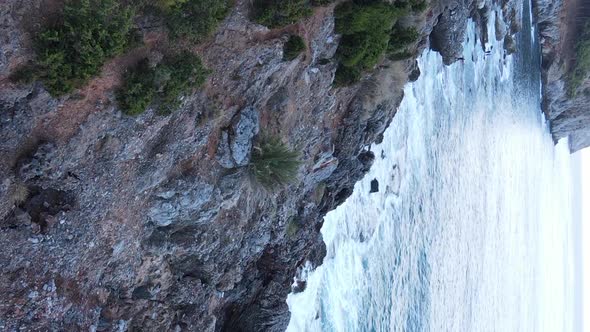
(61,125)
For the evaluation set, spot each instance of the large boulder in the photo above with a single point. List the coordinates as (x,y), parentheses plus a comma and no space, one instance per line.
(235,143)
(449,33)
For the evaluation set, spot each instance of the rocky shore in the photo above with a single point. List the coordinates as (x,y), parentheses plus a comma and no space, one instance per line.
(149,223)
(560,26)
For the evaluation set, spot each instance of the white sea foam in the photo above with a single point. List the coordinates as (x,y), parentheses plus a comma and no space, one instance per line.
(470,230)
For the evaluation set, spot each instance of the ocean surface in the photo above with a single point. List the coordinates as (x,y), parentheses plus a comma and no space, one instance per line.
(471,228)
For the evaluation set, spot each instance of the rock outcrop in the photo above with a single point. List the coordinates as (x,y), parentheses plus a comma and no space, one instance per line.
(449,33)
(560,24)
(235,142)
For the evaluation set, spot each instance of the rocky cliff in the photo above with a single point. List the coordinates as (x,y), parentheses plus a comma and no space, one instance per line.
(561,26)
(148,223)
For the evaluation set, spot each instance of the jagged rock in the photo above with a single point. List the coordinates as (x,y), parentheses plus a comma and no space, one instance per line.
(415,73)
(235,144)
(245,127)
(366,158)
(22,217)
(223,156)
(374,186)
(185,202)
(500,27)
(299,286)
(279,101)
(230,188)
(41,164)
(449,32)
(42,204)
(509,44)
(322,169)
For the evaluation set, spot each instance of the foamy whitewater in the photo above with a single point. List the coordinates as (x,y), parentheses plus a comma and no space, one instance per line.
(470,229)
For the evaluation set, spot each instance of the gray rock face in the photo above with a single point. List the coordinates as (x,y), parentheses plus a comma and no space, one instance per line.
(569,115)
(235,143)
(449,33)
(41,164)
(184,202)
(224,153)
(245,128)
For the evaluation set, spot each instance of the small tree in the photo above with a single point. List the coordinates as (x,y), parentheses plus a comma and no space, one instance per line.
(366,32)
(195,19)
(75,49)
(175,77)
(162,85)
(293,47)
(278,13)
(321,2)
(137,91)
(273,164)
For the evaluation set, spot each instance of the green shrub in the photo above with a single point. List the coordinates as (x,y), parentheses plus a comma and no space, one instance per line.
(399,41)
(413,5)
(321,2)
(362,51)
(273,164)
(162,85)
(293,47)
(175,77)
(418,6)
(581,69)
(194,19)
(75,49)
(152,7)
(402,38)
(137,92)
(171,3)
(277,13)
(366,32)
(292,227)
(346,75)
(351,18)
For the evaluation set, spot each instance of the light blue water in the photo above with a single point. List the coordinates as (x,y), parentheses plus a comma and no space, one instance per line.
(470,230)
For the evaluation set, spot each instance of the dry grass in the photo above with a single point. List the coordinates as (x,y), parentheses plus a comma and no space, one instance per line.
(19,194)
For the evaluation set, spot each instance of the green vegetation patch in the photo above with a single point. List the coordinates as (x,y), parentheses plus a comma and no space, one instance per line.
(137,91)
(399,41)
(368,32)
(194,19)
(581,69)
(162,85)
(293,47)
(321,2)
(365,29)
(413,5)
(273,164)
(75,49)
(418,6)
(292,227)
(278,13)
(346,76)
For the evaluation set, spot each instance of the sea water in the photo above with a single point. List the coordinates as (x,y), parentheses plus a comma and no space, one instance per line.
(470,229)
